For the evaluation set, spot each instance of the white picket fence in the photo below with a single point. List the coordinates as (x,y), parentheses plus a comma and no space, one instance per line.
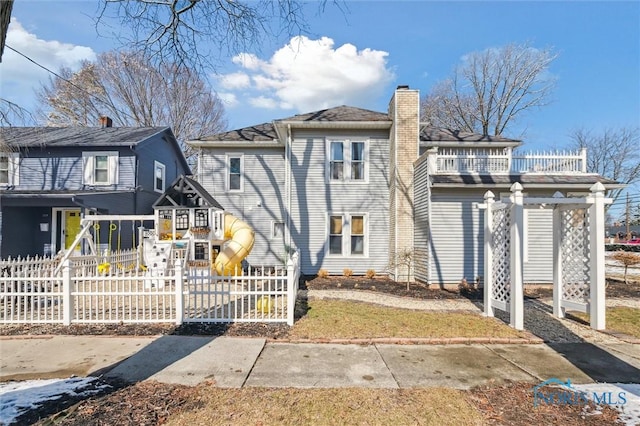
(113,289)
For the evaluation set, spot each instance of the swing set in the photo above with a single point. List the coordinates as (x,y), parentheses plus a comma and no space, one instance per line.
(92,230)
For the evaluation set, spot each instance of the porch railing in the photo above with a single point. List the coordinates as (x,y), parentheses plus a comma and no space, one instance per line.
(504,161)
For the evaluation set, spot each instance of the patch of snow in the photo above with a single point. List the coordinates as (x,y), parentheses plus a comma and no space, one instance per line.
(18,398)
(630,393)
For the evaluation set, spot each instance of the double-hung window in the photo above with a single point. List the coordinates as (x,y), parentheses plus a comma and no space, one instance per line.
(347,234)
(159,175)
(100,168)
(9,169)
(235,166)
(347,161)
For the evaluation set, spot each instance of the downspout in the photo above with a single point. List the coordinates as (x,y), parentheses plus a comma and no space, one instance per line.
(395,189)
(135,179)
(289,177)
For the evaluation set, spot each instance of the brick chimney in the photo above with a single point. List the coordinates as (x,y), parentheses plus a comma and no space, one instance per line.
(404,111)
(105,121)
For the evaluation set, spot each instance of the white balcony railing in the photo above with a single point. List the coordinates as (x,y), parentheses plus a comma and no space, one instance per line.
(502,161)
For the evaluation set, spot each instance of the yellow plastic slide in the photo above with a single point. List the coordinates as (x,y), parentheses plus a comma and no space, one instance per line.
(238,247)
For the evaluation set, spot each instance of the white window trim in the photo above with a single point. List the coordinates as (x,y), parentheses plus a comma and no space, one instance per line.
(158,165)
(228,157)
(13,169)
(273,230)
(88,167)
(346,155)
(346,235)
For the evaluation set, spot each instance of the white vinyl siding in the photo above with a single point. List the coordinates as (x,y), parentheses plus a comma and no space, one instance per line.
(347,160)
(100,168)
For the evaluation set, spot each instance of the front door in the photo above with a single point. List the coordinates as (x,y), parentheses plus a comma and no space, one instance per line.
(71,228)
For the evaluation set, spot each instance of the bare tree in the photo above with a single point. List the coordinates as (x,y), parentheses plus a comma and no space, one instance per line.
(491,89)
(613,154)
(130,90)
(5,17)
(185,31)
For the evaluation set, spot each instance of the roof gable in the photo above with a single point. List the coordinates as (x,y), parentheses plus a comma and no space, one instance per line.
(186,192)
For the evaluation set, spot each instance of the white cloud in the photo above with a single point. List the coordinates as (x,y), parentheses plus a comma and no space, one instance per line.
(229,100)
(306,75)
(20,76)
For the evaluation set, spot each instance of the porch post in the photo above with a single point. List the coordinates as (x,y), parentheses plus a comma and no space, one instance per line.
(489,199)
(516,298)
(558,310)
(179,293)
(596,255)
(67,300)
(291,291)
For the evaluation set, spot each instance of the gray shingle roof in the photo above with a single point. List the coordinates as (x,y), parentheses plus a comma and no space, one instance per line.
(437,134)
(76,136)
(267,132)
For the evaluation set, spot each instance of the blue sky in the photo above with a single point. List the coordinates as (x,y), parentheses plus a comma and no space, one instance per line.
(358,59)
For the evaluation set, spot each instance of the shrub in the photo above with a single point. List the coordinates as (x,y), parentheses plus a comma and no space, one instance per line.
(323,273)
(347,272)
(626,259)
(371,273)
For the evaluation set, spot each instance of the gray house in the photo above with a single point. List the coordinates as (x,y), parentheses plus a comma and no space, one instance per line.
(354,188)
(53,175)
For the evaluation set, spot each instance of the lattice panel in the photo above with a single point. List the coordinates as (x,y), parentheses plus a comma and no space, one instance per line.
(575,255)
(500,246)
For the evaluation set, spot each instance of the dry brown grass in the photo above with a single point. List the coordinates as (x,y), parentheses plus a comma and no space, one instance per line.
(340,319)
(621,319)
(286,406)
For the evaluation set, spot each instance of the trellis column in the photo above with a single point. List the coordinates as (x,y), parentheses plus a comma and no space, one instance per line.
(489,199)
(596,246)
(558,310)
(516,295)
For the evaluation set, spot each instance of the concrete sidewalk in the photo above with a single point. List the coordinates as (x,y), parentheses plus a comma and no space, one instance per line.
(238,362)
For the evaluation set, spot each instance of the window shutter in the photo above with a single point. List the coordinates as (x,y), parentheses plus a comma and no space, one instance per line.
(87,169)
(113,169)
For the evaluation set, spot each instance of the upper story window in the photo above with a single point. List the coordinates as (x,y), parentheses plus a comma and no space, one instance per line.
(159,175)
(100,168)
(235,168)
(347,161)
(9,169)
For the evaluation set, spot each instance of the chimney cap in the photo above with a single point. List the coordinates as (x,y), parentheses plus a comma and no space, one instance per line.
(403,87)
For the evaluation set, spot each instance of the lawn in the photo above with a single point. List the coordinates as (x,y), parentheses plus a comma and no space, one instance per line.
(341,319)
(621,319)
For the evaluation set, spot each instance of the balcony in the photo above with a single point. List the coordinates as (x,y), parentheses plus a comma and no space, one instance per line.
(504,161)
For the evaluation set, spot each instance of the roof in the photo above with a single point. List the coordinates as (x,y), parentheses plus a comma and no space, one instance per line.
(186,192)
(23,137)
(266,132)
(532,179)
(436,134)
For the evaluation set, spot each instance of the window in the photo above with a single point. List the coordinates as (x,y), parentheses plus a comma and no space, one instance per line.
(234,172)
(347,234)
(277,230)
(347,161)
(357,161)
(100,168)
(335,235)
(159,173)
(9,169)
(336,165)
(357,234)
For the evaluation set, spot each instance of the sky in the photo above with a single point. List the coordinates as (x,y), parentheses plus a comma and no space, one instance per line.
(359,57)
